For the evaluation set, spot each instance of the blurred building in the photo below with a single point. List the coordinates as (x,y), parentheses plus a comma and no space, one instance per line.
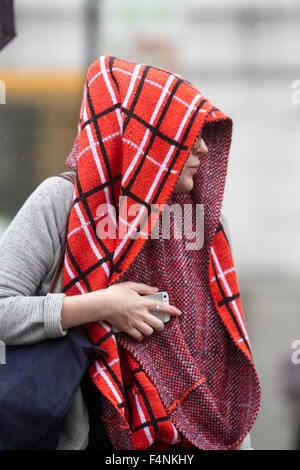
(244,56)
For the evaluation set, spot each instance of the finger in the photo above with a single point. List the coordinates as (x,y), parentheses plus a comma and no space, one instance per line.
(136,334)
(144,328)
(164,307)
(142,288)
(153,321)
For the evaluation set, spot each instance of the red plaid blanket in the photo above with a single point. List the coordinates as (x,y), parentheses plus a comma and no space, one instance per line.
(194,384)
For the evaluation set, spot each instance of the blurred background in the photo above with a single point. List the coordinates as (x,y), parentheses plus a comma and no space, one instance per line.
(244,56)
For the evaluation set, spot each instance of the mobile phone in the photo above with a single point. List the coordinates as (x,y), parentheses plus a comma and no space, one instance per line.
(162,296)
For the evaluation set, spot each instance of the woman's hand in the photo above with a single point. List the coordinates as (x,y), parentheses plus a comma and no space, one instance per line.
(122,304)
(130,311)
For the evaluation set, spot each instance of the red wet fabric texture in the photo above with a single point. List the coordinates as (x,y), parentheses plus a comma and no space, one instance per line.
(194,383)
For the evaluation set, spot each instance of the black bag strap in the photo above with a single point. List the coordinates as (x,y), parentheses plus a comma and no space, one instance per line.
(70,177)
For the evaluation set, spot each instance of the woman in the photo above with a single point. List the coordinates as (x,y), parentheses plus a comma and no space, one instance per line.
(149,136)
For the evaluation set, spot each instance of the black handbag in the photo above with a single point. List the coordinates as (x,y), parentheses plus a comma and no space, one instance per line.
(38,383)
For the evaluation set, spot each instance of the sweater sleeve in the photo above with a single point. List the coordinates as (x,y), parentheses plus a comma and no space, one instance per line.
(29,250)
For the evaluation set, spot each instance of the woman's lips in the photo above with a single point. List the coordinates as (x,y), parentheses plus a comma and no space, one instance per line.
(194,168)
(196,165)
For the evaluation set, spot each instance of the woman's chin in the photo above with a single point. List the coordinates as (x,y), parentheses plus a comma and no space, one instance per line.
(189,184)
(184,186)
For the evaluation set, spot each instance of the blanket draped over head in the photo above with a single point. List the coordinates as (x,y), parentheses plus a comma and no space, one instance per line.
(193,383)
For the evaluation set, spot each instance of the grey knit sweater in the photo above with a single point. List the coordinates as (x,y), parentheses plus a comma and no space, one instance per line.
(29,252)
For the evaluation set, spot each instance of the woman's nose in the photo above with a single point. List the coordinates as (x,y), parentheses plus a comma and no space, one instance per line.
(202,148)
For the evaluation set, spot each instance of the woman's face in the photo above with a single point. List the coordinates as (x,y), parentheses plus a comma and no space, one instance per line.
(185,181)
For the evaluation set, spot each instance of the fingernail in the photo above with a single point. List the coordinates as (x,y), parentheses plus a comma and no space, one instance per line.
(155,288)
